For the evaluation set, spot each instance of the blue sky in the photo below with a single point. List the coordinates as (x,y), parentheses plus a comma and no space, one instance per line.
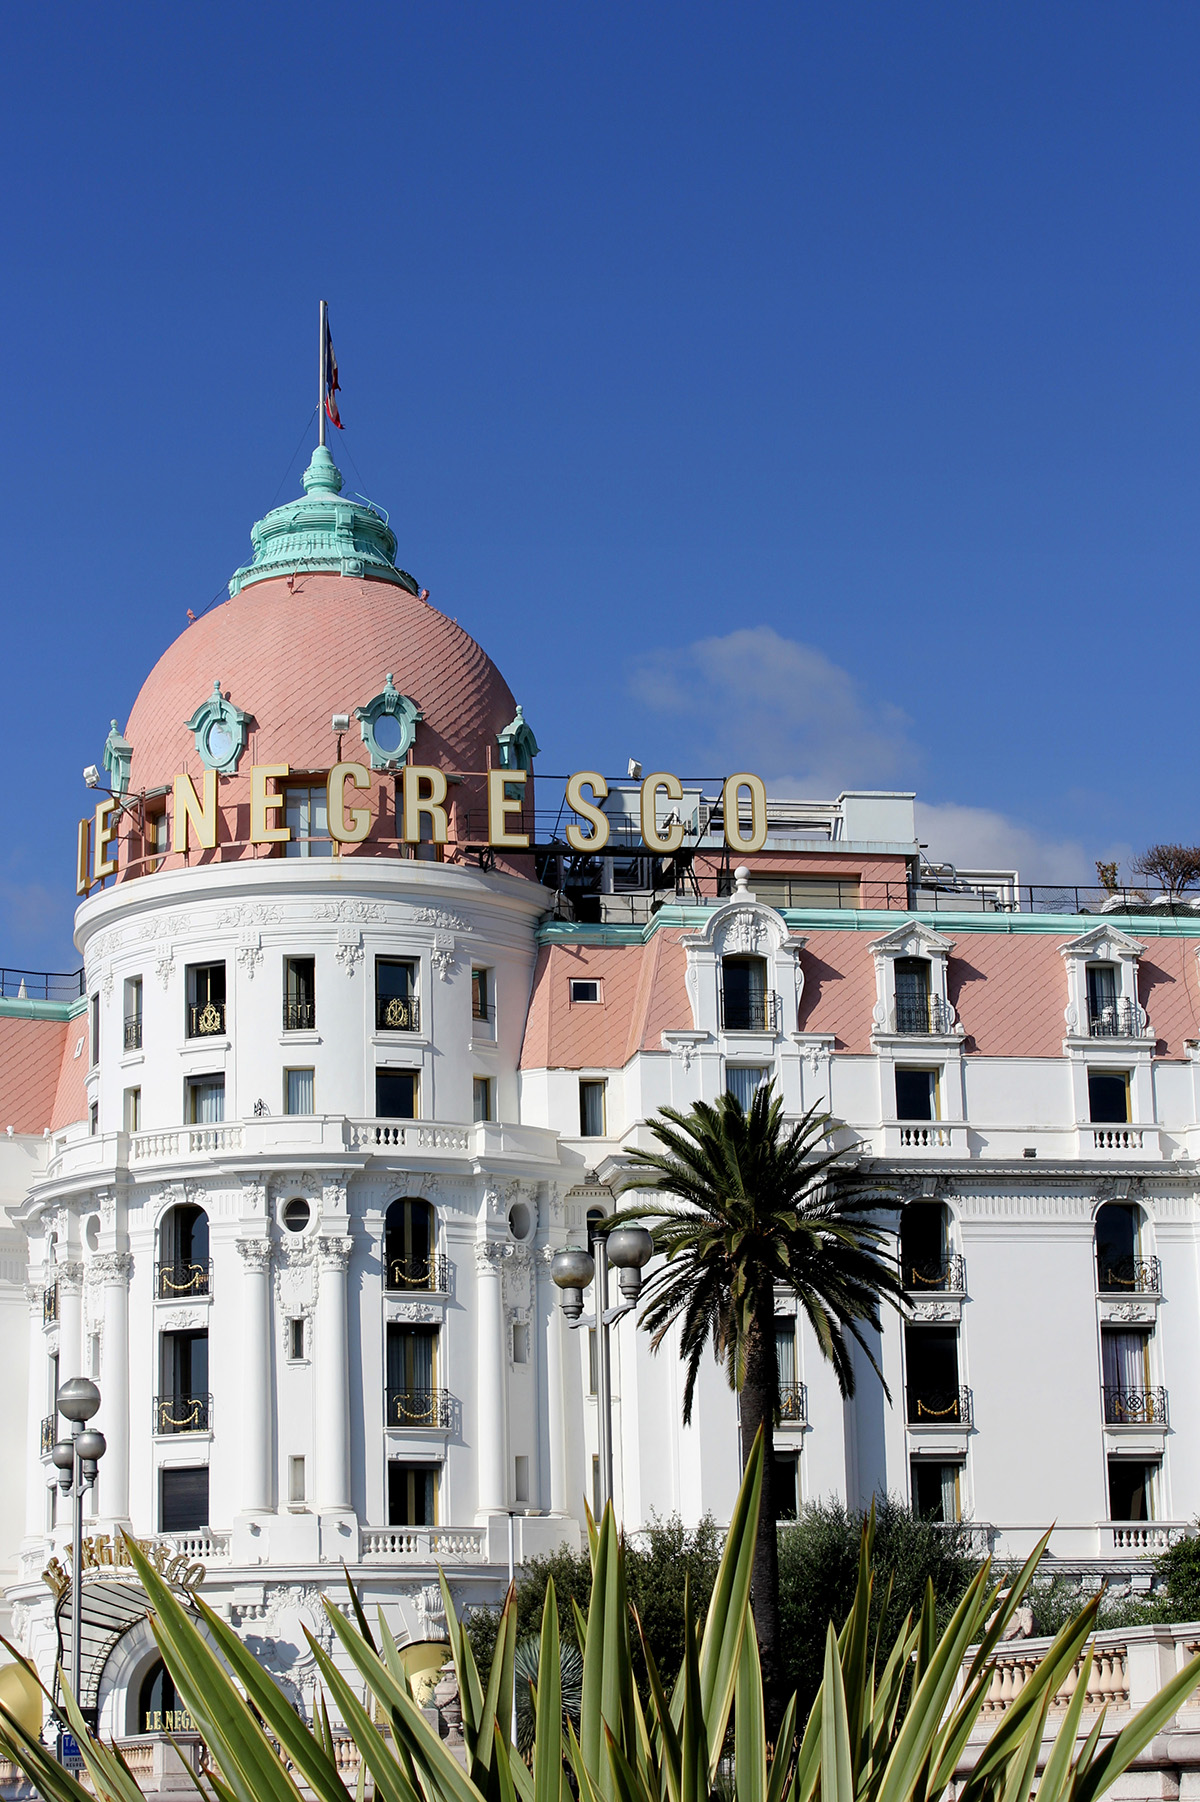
(814,389)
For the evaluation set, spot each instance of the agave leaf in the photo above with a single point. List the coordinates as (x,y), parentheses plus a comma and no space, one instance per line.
(364,1625)
(1120,1752)
(1019,1777)
(548,1718)
(392,1783)
(1005,1606)
(502,1764)
(49,1778)
(853,1644)
(470,1688)
(808,1759)
(1058,1766)
(837,1774)
(1049,1677)
(110,1775)
(626,1783)
(667,1738)
(498,1698)
(782,1761)
(749,1725)
(607,1662)
(692,1736)
(729,1604)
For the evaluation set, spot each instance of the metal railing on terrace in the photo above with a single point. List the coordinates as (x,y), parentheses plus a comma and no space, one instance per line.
(299,1016)
(175,1278)
(183,1413)
(939,1407)
(793,1404)
(1129,1276)
(397,1013)
(205,1018)
(1115,1020)
(923,1014)
(431,1274)
(49,1433)
(133,1032)
(946,1275)
(41,985)
(750,1013)
(419,1408)
(1135,1407)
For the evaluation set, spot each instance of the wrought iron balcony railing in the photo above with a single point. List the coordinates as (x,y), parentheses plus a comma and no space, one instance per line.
(923,1014)
(793,1405)
(49,1433)
(1114,1019)
(432,1274)
(182,1278)
(205,1018)
(945,1275)
(133,1032)
(750,1013)
(183,1413)
(1135,1407)
(299,1016)
(1129,1276)
(50,1302)
(939,1407)
(419,1408)
(397,1013)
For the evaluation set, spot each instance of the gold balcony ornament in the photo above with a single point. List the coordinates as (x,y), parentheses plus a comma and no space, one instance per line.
(209,1018)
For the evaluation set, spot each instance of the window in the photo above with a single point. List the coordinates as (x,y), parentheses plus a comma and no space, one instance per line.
(296,1351)
(94,1015)
(1119,1269)
(156,840)
(205,1100)
(481,995)
(482,1098)
(296,1214)
(1125,1365)
(931,1358)
(133,1013)
(520,1342)
(183,1266)
(299,994)
(396,1006)
(591,1109)
(785,1352)
(592,1364)
(935,1491)
(1130,1490)
(912,994)
(183,1502)
(412,1494)
(305,814)
(744,1080)
(296,1490)
(521,1480)
(595,1486)
(395,1094)
(916,1094)
(746,1003)
(298,1092)
(408,1246)
(412,1398)
(183,1403)
(206,1000)
(93,1116)
(1108,1097)
(924,1245)
(159,1707)
(787,1485)
(1103,1011)
(94,1356)
(584,991)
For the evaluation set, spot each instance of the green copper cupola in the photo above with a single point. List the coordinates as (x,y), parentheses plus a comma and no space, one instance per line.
(323,530)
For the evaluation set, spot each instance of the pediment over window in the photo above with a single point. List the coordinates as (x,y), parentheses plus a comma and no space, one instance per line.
(1103,944)
(912,940)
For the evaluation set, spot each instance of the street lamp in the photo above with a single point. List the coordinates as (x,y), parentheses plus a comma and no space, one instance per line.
(77,1461)
(628,1249)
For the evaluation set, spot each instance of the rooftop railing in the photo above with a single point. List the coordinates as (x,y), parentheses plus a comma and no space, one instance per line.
(41,985)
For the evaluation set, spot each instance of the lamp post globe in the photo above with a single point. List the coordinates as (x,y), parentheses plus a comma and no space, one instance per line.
(62,1456)
(572,1270)
(78,1399)
(630,1248)
(90,1446)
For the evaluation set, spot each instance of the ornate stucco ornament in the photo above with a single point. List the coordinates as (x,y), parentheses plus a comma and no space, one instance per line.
(220,732)
(118,755)
(389,726)
(518,746)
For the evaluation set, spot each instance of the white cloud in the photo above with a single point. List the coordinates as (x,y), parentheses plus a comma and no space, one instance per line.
(975,838)
(756,700)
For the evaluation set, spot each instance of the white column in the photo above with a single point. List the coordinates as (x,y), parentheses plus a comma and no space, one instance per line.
(491,1435)
(113,1419)
(38,1385)
(257,1436)
(549,1317)
(70,1322)
(332,1384)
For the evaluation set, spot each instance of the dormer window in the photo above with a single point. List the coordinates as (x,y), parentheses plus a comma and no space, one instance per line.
(912,994)
(1110,1015)
(911,979)
(747,1005)
(1102,986)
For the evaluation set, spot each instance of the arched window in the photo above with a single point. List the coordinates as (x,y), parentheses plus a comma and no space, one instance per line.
(1120,1267)
(924,1245)
(409,1236)
(159,1708)
(183,1267)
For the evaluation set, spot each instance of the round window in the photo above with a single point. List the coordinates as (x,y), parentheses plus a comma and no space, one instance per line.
(519,1221)
(296,1214)
(388,733)
(219,741)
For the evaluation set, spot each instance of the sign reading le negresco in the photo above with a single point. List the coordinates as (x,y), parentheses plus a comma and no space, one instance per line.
(423,812)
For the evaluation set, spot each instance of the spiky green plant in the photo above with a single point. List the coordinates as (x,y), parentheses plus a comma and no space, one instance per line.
(888,1724)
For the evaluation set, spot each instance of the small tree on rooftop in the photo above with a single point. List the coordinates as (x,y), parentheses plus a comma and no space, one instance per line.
(1175,867)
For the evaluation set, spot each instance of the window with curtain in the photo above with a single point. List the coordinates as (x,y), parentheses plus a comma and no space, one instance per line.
(411,1375)
(591,1109)
(785,1352)
(306,815)
(206,1100)
(412,1494)
(935,1491)
(299,1093)
(1125,1360)
(742,1080)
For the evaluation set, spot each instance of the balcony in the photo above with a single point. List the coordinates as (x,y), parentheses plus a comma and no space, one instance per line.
(941,1276)
(939,1407)
(1135,1407)
(927,1014)
(172,1280)
(299,1016)
(419,1408)
(133,1032)
(793,1405)
(1122,1019)
(182,1414)
(750,1013)
(49,1433)
(49,1304)
(423,1545)
(205,1019)
(1115,1138)
(397,1013)
(429,1274)
(1130,1276)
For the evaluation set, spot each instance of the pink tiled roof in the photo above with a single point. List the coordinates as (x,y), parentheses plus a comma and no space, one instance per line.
(294,659)
(70,1096)
(31,1055)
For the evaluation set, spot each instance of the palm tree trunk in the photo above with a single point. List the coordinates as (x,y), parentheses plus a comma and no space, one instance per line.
(759,1389)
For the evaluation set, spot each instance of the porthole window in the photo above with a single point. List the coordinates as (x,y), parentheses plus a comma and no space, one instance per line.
(520,1220)
(296,1214)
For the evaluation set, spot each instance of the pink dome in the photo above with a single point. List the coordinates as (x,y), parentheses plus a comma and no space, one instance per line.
(292,659)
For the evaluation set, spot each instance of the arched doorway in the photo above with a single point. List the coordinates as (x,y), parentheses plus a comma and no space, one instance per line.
(159,1708)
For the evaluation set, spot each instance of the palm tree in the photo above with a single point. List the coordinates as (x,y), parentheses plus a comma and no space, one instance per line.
(757,1207)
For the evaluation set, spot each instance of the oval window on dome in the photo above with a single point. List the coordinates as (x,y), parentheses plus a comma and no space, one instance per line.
(219,741)
(296,1214)
(389,734)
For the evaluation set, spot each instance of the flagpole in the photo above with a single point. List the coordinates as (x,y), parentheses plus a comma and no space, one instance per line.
(321,390)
